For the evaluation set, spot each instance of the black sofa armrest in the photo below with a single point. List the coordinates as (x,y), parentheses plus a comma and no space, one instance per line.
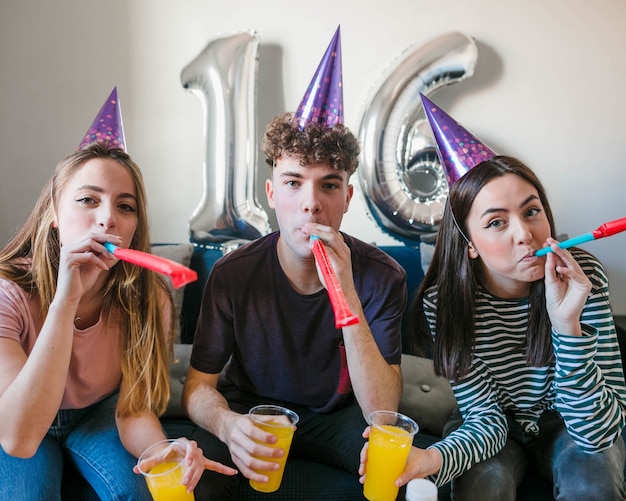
(202,260)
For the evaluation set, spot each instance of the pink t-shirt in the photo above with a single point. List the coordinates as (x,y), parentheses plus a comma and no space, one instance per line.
(94,371)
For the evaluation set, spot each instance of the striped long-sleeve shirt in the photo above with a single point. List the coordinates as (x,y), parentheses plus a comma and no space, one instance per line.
(585,383)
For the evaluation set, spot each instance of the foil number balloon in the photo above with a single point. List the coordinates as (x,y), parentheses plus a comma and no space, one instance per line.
(224,75)
(400,174)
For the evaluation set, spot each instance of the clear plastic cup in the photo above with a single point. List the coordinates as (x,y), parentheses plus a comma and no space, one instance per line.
(162,465)
(391,437)
(281,422)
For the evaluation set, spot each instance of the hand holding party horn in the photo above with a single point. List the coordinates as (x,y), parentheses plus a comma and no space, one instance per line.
(343,315)
(606,230)
(180,275)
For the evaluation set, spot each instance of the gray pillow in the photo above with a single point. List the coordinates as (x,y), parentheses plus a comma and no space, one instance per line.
(427,398)
(179,253)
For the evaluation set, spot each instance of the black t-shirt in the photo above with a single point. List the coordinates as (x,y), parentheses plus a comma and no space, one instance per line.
(283,345)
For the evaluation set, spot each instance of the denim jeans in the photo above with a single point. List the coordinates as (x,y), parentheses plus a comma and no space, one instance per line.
(575,475)
(89,439)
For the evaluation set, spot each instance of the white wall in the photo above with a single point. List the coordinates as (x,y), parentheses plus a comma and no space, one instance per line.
(548,88)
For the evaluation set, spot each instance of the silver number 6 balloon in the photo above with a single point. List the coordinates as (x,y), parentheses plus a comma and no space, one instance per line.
(400,174)
(224,76)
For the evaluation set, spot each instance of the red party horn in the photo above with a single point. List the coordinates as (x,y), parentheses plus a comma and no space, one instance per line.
(179,274)
(343,315)
(610,228)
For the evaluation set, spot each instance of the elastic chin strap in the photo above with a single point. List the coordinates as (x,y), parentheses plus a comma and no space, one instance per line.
(456,223)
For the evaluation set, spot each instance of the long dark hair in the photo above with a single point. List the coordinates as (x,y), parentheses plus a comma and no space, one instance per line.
(457,278)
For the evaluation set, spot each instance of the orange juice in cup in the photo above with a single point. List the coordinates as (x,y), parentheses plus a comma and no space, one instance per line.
(391,436)
(165,476)
(281,422)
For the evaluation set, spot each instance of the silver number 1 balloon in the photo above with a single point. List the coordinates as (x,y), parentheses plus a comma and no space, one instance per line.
(224,77)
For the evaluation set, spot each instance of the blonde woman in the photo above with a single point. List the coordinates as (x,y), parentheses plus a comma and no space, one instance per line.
(84,339)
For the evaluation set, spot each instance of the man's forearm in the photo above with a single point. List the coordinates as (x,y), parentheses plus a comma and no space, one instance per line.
(376,384)
(206,406)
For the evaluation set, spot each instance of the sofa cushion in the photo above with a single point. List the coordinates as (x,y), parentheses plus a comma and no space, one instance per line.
(179,253)
(427,398)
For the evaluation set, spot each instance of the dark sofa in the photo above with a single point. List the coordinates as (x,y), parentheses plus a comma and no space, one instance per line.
(427,398)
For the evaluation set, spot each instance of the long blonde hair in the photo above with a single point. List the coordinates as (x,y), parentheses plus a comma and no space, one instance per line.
(132,292)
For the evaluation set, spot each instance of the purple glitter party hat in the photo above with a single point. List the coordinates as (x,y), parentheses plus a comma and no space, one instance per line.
(107,127)
(323,101)
(458,149)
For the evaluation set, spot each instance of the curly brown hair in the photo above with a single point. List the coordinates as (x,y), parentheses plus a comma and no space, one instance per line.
(315,143)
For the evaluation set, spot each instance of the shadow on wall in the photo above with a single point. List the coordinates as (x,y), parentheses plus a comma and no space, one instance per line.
(487,74)
(270,102)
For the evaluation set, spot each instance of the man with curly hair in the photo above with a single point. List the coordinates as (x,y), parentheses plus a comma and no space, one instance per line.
(266,332)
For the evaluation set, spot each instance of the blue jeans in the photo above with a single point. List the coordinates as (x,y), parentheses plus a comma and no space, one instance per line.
(89,439)
(575,475)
